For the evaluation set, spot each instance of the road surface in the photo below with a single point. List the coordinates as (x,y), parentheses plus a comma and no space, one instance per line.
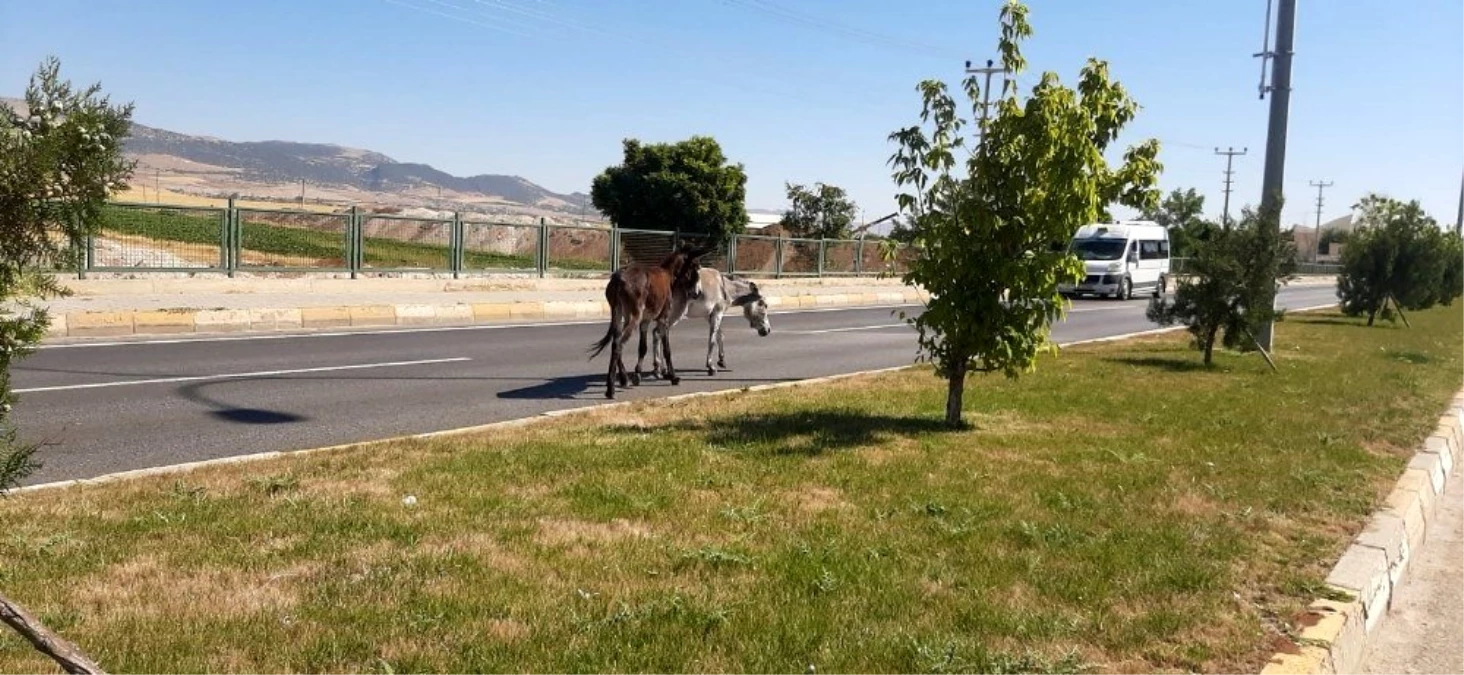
(107,407)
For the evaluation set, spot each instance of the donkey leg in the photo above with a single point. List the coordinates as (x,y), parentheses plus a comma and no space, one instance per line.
(666,347)
(711,340)
(721,350)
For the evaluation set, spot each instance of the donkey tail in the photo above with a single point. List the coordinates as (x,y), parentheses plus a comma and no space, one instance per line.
(612,332)
(604,342)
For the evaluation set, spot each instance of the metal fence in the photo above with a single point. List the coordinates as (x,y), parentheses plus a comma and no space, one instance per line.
(139,237)
(1177,266)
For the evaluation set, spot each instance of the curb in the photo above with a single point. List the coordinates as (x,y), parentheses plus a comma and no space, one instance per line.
(212,321)
(1377,561)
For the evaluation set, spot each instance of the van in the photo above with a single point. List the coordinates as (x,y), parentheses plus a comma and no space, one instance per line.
(1120,258)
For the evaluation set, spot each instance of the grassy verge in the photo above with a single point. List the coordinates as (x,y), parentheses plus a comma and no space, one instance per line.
(1122,509)
(328,247)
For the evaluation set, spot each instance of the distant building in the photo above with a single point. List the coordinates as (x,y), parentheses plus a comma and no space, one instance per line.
(758,221)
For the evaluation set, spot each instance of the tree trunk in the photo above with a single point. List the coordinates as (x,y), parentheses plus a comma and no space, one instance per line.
(1371,315)
(1210,343)
(61,651)
(956,391)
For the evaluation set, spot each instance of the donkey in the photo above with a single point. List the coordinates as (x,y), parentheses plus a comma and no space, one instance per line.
(718,294)
(640,294)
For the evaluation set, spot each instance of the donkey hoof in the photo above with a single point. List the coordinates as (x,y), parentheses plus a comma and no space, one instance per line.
(675,380)
(610,393)
(635,379)
(711,371)
(722,365)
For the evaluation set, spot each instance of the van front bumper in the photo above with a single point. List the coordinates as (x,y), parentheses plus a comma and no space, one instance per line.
(1093,283)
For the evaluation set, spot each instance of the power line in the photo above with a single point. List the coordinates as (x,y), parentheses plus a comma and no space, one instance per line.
(1230,154)
(642,41)
(844,30)
(1322,185)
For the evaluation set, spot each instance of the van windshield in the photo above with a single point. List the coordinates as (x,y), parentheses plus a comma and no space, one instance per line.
(1098,249)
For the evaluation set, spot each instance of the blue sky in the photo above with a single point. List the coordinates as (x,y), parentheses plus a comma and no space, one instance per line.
(798,90)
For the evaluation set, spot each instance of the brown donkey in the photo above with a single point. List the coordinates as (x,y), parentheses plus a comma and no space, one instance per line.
(640,294)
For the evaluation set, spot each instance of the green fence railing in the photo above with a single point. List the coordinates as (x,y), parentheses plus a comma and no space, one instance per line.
(138,237)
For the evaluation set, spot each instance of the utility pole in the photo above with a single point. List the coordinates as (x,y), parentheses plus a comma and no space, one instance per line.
(1317,245)
(988,71)
(1230,154)
(1459,219)
(1280,90)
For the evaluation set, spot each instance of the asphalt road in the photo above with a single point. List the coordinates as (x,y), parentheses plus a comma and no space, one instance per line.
(107,407)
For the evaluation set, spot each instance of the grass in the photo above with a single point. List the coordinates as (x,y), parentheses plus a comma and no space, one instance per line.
(328,248)
(1111,512)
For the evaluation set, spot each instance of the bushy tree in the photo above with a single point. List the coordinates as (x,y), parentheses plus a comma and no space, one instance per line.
(1181,213)
(1230,279)
(687,185)
(60,158)
(990,239)
(823,212)
(1397,258)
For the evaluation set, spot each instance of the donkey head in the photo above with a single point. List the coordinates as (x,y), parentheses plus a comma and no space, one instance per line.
(754,309)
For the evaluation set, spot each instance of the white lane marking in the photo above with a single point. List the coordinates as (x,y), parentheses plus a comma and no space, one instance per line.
(227,376)
(846,329)
(391,330)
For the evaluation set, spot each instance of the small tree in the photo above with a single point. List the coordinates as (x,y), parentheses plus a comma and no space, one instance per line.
(1182,214)
(59,160)
(824,212)
(686,186)
(990,240)
(1397,258)
(1231,275)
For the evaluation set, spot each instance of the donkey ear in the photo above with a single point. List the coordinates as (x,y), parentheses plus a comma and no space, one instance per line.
(753,286)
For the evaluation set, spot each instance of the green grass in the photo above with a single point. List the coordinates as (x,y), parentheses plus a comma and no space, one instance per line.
(1120,509)
(327,248)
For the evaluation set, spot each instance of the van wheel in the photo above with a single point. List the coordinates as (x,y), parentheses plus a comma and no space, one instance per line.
(1125,289)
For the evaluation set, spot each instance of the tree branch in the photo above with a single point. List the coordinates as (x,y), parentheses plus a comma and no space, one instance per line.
(59,649)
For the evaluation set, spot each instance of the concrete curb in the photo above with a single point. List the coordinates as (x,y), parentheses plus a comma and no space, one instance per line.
(210,321)
(1376,563)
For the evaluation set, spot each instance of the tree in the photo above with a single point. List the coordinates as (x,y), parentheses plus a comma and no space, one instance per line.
(686,186)
(824,212)
(1397,258)
(59,160)
(1181,213)
(991,240)
(1231,276)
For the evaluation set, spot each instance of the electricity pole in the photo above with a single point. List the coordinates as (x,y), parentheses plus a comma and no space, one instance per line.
(1230,154)
(1317,245)
(988,71)
(1459,219)
(1280,90)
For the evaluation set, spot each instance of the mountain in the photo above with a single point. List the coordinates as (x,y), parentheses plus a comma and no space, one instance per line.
(333,165)
(207,164)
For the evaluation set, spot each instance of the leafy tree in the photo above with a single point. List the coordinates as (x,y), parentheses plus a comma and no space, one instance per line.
(1181,214)
(1397,258)
(991,240)
(59,160)
(686,185)
(1231,276)
(824,212)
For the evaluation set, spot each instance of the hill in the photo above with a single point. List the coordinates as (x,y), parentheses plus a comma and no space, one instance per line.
(209,166)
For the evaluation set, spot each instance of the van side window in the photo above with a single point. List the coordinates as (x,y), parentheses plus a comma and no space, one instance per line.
(1150,250)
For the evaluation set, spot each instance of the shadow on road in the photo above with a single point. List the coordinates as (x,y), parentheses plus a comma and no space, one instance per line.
(231,413)
(557,387)
(799,433)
